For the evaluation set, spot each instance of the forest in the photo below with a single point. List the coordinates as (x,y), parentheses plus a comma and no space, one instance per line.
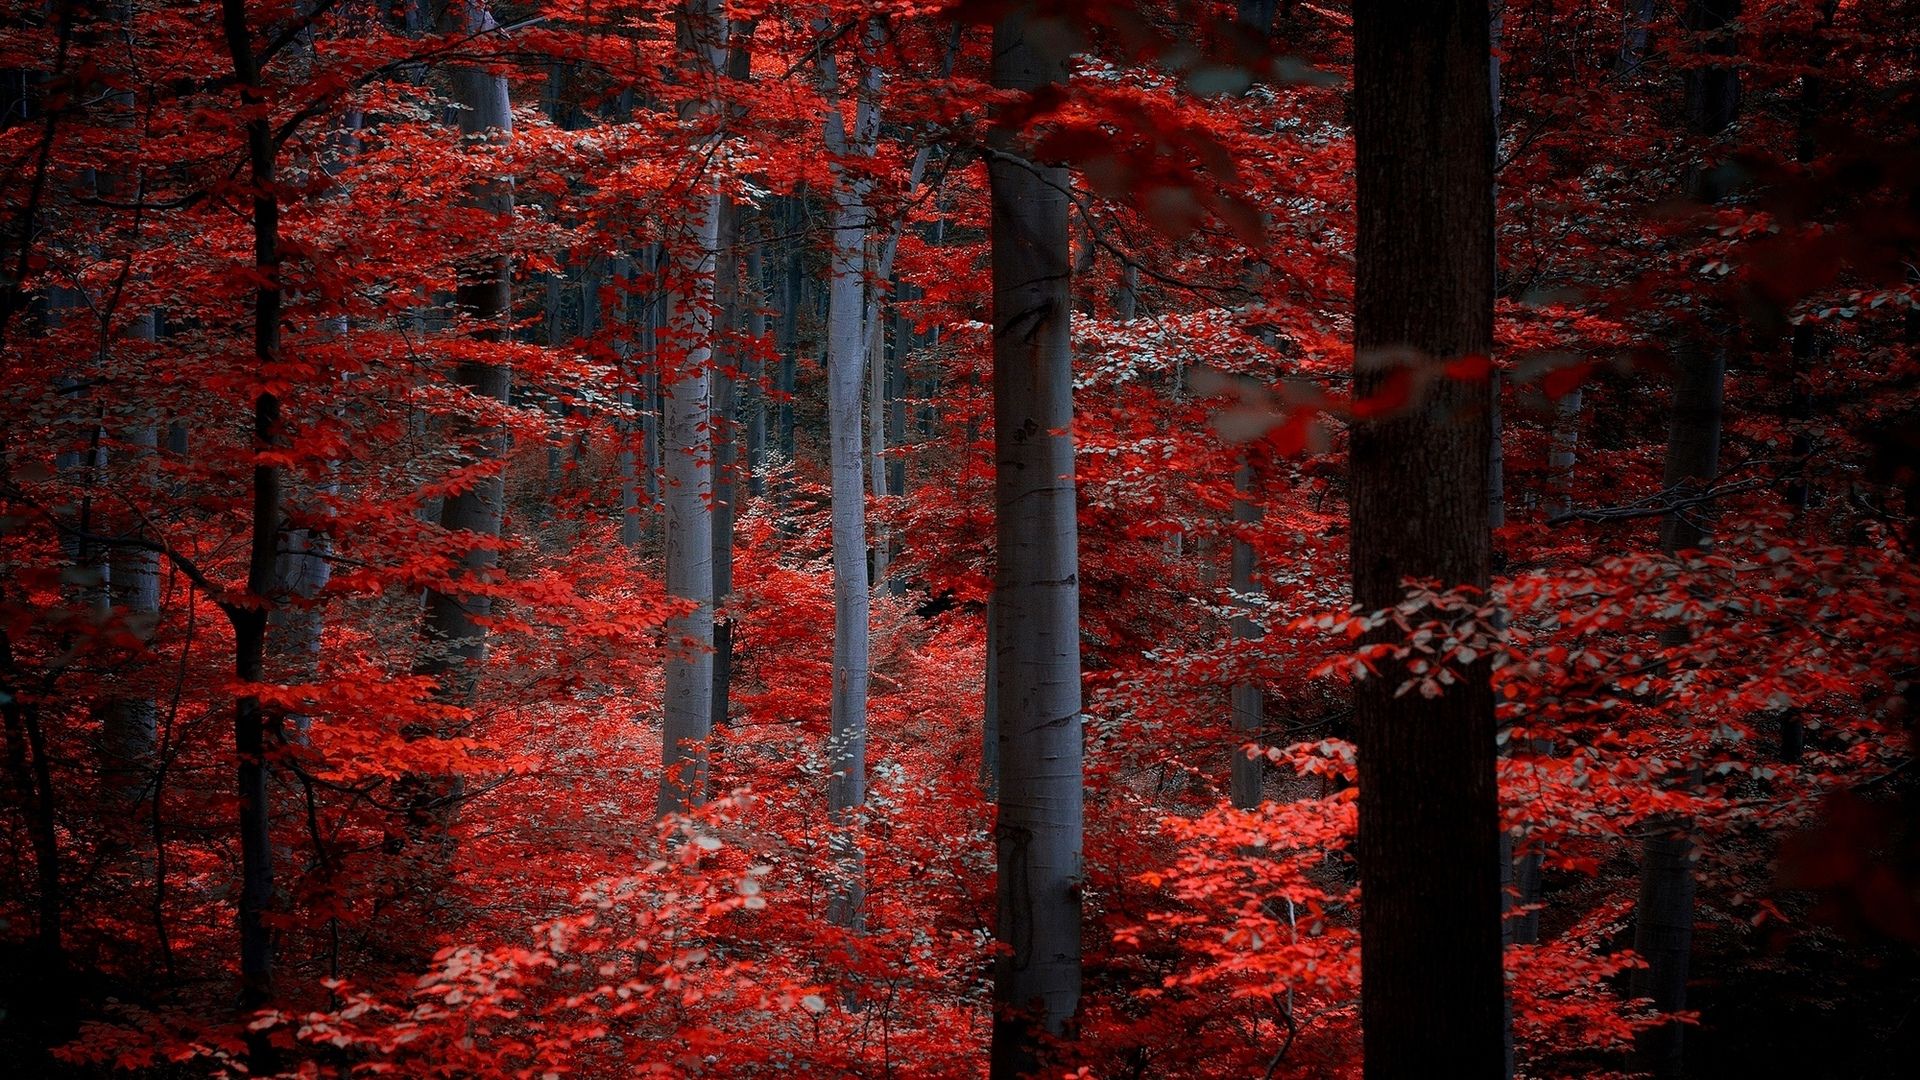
(1065,539)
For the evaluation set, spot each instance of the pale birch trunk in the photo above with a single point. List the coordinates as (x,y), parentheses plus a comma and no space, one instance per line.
(1563,453)
(687,711)
(1036,984)
(847,348)
(876,365)
(724,434)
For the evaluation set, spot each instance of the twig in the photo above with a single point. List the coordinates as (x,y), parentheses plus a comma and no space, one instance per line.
(1659,504)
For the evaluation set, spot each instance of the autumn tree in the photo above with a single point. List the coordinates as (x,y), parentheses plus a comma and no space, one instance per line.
(1428,850)
(1036,588)
(687,429)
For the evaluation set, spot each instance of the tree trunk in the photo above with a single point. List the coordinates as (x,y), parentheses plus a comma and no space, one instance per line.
(876,366)
(453,629)
(990,710)
(1127,308)
(1429,835)
(1633,39)
(1036,981)
(687,714)
(725,436)
(848,346)
(897,391)
(129,722)
(250,724)
(1563,454)
(32,778)
(630,431)
(1663,926)
(793,292)
(756,371)
(1249,705)
(653,405)
(730,300)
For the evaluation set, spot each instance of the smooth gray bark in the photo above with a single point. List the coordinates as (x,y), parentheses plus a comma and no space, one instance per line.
(653,406)
(687,711)
(453,631)
(1037,837)
(897,390)
(756,369)
(1563,452)
(629,430)
(724,433)
(847,351)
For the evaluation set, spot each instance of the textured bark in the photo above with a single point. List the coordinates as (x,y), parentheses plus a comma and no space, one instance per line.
(1036,980)
(1429,837)
(687,713)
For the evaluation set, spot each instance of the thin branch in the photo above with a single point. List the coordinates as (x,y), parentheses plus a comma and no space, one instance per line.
(1659,504)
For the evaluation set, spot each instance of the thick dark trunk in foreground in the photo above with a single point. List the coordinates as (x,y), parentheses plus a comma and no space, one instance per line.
(1429,848)
(1036,982)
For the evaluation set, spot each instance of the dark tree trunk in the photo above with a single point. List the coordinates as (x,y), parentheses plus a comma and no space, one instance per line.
(1429,844)
(453,631)
(1663,927)
(1248,699)
(32,778)
(250,724)
(897,391)
(756,370)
